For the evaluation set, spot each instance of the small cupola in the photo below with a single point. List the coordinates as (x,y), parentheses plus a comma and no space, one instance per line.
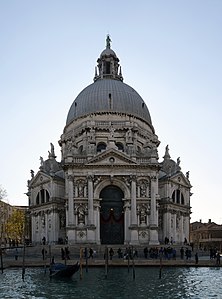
(108,64)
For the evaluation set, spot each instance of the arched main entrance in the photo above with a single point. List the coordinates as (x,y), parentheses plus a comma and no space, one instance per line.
(111,216)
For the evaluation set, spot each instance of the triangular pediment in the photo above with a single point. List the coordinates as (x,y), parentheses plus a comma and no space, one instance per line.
(180,178)
(39,179)
(112,157)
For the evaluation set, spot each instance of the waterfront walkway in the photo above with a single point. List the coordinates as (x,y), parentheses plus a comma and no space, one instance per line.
(13,257)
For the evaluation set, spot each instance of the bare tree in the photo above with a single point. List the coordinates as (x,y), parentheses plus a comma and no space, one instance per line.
(3,193)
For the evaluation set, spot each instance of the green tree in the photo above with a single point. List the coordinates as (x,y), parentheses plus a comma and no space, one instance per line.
(3,213)
(14,226)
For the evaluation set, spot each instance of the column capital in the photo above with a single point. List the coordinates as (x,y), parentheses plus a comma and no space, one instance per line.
(70,177)
(133,178)
(153,178)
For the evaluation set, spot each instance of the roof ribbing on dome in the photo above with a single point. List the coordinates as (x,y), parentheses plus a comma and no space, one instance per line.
(108,93)
(109,96)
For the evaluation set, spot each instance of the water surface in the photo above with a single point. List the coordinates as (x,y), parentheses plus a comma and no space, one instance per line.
(198,283)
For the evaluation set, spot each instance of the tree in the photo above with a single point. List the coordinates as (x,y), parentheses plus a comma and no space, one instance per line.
(3,193)
(14,226)
(3,213)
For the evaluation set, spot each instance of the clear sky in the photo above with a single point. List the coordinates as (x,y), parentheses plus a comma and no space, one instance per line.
(170,52)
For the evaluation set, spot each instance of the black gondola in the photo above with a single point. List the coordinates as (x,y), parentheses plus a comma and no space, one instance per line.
(62,271)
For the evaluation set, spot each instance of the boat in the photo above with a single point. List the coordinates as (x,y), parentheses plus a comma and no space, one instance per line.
(62,270)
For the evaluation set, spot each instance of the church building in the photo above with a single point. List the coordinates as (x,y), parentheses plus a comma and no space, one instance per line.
(109,187)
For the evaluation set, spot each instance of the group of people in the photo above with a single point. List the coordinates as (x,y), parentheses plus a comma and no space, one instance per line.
(215,254)
(155,252)
(129,253)
(65,253)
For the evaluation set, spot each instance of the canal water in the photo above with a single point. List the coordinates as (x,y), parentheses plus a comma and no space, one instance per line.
(198,283)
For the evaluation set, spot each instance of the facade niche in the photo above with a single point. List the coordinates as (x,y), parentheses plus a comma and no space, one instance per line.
(101,147)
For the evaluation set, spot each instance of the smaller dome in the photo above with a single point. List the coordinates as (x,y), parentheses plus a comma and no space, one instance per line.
(107,52)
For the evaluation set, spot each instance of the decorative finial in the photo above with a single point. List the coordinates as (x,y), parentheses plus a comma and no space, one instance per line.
(120,71)
(52,152)
(108,42)
(32,173)
(41,161)
(167,155)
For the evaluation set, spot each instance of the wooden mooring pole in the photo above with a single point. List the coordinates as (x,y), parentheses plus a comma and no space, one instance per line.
(23,261)
(106,261)
(160,273)
(1,260)
(80,261)
(128,258)
(86,257)
(133,264)
(44,256)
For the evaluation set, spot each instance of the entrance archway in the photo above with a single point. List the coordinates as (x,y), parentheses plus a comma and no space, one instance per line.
(111,216)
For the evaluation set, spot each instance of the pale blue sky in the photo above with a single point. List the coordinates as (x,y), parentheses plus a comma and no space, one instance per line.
(170,52)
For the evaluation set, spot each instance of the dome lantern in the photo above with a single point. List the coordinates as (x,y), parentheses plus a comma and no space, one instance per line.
(108,64)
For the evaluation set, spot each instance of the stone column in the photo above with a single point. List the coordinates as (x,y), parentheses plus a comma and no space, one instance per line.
(90,200)
(166,222)
(34,220)
(174,227)
(47,227)
(134,224)
(153,213)
(133,202)
(97,221)
(186,227)
(70,201)
(126,220)
(181,230)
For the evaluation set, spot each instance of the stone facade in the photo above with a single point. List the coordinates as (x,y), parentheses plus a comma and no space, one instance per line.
(109,186)
(205,236)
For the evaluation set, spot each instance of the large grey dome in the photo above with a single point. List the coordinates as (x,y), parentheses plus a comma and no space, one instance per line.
(109,95)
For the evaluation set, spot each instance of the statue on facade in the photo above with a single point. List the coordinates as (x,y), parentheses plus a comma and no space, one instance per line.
(112,130)
(41,161)
(187,175)
(92,135)
(108,42)
(52,152)
(129,136)
(43,220)
(142,215)
(69,147)
(143,188)
(178,161)
(32,173)
(81,215)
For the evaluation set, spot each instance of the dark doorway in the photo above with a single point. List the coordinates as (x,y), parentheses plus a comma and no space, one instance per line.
(111,216)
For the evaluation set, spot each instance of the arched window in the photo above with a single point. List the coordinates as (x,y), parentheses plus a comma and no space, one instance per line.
(80,150)
(182,199)
(173,196)
(37,199)
(139,149)
(101,147)
(178,197)
(46,196)
(42,197)
(120,146)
